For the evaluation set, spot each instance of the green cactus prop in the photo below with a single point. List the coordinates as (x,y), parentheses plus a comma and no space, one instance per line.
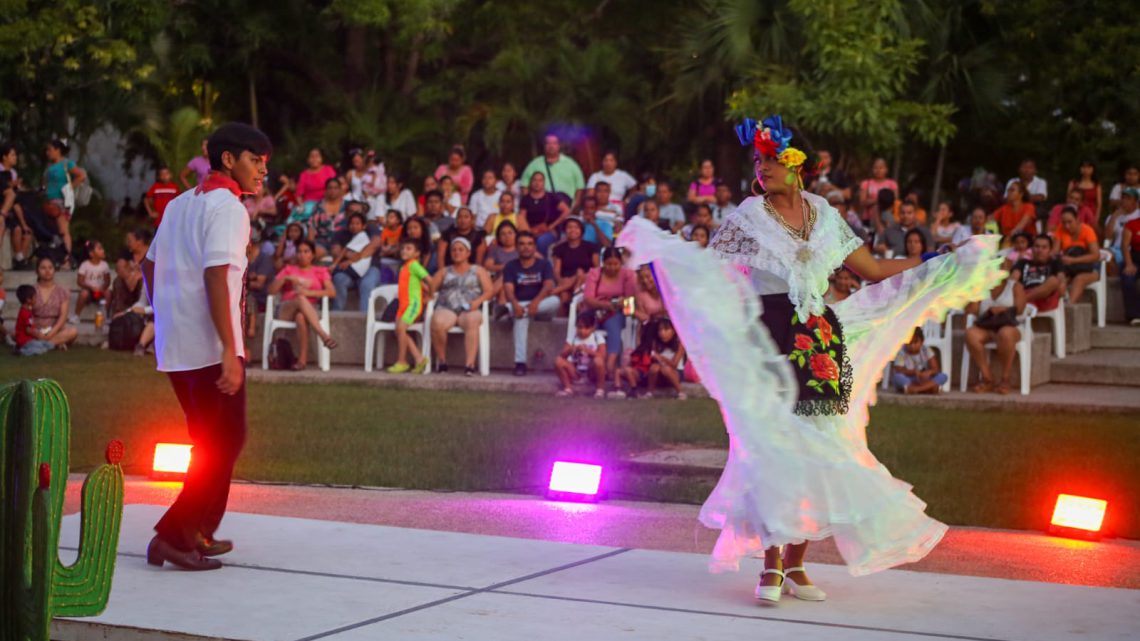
(34,585)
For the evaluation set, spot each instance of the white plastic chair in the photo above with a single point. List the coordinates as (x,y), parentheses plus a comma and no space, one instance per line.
(1057,317)
(1024,350)
(628,335)
(373,349)
(272,324)
(938,336)
(484,337)
(1100,288)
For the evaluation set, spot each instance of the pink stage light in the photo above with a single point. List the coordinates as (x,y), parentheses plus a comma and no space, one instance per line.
(574,481)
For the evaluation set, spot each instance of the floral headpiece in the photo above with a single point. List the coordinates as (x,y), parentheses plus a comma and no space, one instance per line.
(771,138)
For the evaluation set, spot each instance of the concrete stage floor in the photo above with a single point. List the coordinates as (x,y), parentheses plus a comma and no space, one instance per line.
(299,579)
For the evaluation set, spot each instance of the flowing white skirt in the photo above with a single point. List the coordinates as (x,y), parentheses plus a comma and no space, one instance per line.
(792,478)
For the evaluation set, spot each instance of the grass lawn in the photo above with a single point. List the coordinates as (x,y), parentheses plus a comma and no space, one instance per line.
(992,469)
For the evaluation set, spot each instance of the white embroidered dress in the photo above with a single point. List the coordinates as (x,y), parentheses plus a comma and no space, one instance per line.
(792,478)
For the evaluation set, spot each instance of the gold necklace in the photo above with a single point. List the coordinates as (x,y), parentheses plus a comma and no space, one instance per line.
(809,214)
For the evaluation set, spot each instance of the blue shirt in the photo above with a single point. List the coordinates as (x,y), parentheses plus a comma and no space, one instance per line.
(55,177)
(528,280)
(591,236)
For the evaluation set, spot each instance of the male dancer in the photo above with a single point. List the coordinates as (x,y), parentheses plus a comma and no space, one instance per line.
(194,273)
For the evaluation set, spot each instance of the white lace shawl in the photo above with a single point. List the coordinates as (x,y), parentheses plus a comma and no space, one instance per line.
(750,237)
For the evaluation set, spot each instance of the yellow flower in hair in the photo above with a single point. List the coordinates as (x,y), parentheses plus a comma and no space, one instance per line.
(792,158)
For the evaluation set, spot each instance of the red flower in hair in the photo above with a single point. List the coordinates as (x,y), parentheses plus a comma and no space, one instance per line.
(804,342)
(765,145)
(823,367)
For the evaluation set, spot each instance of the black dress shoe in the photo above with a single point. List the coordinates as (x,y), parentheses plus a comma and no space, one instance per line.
(159,551)
(212,547)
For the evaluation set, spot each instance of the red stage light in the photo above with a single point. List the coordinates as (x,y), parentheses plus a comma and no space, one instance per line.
(1078,515)
(171,460)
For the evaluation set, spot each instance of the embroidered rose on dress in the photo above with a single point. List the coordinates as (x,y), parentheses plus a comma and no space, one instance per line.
(824,368)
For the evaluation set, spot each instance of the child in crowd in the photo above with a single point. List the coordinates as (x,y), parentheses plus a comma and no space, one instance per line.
(843,283)
(700,235)
(636,372)
(94,278)
(413,285)
(286,252)
(668,359)
(702,217)
(1020,249)
(583,355)
(160,194)
(28,342)
(916,370)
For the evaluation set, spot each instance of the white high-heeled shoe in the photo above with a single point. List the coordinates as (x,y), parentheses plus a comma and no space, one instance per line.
(802,592)
(770,593)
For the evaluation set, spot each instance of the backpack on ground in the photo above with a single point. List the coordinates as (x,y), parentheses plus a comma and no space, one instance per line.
(281,354)
(124,332)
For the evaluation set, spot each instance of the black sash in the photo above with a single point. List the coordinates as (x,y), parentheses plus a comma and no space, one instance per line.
(817,352)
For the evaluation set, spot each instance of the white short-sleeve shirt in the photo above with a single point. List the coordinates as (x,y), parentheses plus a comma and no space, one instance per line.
(620,183)
(1037,186)
(198,230)
(483,205)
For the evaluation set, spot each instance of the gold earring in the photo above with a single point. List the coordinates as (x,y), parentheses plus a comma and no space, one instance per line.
(756,188)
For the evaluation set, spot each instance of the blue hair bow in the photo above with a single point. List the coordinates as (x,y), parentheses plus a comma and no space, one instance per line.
(781,135)
(746,132)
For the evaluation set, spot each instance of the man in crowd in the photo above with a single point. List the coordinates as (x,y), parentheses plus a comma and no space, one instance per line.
(1128,211)
(1076,199)
(606,206)
(1027,173)
(836,200)
(562,172)
(599,231)
(433,212)
(669,212)
(1041,275)
(527,283)
(619,181)
(893,238)
(723,205)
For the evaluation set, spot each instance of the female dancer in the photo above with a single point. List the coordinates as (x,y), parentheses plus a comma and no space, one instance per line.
(795,397)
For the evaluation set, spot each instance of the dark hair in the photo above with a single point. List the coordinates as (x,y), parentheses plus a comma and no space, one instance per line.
(42,259)
(25,294)
(332,180)
(434,193)
(356,214)
(574,221)
(459,149)
(658,344)
(6,148)
(1046,237)
(399,215)
(414,243)
(1028,237)
(298,226)
(1090,163)
(89,246)
(424,242)
(526,233)
(60,145)
(307,243)
(586,319)
(921,238)
(704,206)
(506,223)
(236,137)
(398,177)
(885,199)
(612,252)
(142,233)
(1069,209)
(600,183)
(508,194)
(701,226)
(917,335)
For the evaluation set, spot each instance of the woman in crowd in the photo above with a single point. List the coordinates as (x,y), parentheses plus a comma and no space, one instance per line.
(794,388)
(915,244)
(462,287)
(127,297)
(430,184)
(649,305)
(701,235)
(311,183)
(573,258)
(60,173)
(506,214)
(509,180)
(1076,245)
(416,230)
(1017,214)
(996,322)
(944,228)
(543,212)
(1086,181)
(364,182)
(501,252)
(301,287)
(842,284)
(459,171)
(452,200)
(605,292)
(399,198)
(49,312)
(703,189)
(869,196)
(465,228)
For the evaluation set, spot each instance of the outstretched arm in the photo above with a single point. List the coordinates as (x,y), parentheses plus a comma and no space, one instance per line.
(870,268)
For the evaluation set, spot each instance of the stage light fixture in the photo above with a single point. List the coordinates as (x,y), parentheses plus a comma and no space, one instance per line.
(572,481)
(1078,516)
(171,460)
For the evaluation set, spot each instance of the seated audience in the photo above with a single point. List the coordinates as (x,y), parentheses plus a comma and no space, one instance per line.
(703,189)
(702,215)
(573,258)
(1020,247)
(418,231)
(286,250)
(452,198)
(462,288)
(353,264)
(464,228)
(836,200)
(501,252)
(1041,274)
(944,229)
(1126,212)
(1017,213)
(892,242)
(915,244)
(257,279)
(387,255)
(1084,213)
(1075,243)
(608,210)
(916,369)
(1128,272)
(93,278)
(649,306)
(598,230)
(996,321)
(527,282)
(399,198)
(722,206)
(701,235)
(670,215)
(328,218)
(484,203)
(668,360)
(49,308)
(457,170)
(582,357)
(618,180)
(842,284)
(301,286)
(30,341)
(506,214)
(543,212)
(605,294)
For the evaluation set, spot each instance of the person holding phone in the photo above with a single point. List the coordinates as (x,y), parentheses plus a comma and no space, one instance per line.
(606,287)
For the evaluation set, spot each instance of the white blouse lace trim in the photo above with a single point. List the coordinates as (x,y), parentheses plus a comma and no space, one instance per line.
(750,237)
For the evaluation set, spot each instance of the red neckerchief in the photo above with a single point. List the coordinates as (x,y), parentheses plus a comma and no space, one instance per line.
(218,180)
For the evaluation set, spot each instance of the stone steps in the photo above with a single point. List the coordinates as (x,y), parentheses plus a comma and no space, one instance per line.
(1099,367)
(1116,337)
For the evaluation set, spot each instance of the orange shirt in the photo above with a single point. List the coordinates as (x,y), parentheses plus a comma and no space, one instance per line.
(1007,219)
(389,237)
(1085,236)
